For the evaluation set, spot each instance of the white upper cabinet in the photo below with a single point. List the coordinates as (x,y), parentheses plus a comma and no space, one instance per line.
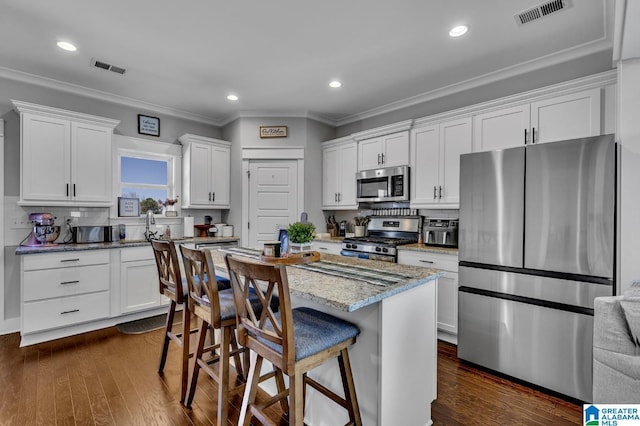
(569,116)
(386,146)
(206,172)
(435,162)
(65,157)
(339,166)
(384,151)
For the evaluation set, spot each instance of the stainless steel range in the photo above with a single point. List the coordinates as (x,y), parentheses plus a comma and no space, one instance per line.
(384,235)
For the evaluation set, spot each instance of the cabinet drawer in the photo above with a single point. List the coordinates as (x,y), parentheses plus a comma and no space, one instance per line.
(65,260)
(327,247)
(446,262)
(50,283)
(133,254)
(64,311)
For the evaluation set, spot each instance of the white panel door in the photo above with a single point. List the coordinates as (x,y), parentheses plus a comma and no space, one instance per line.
(273,192)
(201,180)
(566,117)
(425,159)
(330,178)
(504,128)
(395,149)
(220,172)
(370,154)
(455,139)
(347,175)
(46,144)
(90,163)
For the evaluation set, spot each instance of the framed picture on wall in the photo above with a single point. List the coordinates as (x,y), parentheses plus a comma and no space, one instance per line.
(148,125)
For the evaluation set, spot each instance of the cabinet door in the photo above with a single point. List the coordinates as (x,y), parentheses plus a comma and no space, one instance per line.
(347,175)
(200,180)
(139,285)
(448,303)
(330,178)
(370,154)
(396,149)
(504,128)
(46,144)
(425,155)
(90,163)
(567,117)
(220,173)
(455,139)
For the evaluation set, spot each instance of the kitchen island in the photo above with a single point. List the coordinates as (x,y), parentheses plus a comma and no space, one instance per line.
(394,358)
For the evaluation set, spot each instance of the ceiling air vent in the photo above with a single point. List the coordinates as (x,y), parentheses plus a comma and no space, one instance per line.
(107,67)
(540,11)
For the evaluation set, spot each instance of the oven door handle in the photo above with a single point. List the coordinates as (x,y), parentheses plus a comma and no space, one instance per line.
(359,255)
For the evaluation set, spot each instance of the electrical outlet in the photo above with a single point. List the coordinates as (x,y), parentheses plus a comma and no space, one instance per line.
(20,222)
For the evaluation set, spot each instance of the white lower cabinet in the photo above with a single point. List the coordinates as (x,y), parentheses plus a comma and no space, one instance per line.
(447,284)
(328,247)
(63,289)
(139,288)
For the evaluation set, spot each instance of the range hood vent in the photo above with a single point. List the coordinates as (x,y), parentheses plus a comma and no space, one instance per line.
(107,67)
(540,11)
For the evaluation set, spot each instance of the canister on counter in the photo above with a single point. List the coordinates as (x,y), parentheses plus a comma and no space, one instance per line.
(272,248)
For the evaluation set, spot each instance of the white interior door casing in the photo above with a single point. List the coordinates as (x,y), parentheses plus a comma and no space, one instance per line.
(273,198)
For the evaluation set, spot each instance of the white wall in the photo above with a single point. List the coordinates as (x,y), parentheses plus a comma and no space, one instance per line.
(629,138)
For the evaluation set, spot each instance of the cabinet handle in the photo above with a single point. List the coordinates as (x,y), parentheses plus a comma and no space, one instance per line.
(378,159)
(440,192)
(70,282)
(70,312)
(533,135)
(435,194)
(209,196)
(74,189)
(525,136)
(213,197)
(425,261)
(70,260)
(335,197)
(382,155)
(67,190)
(339,197)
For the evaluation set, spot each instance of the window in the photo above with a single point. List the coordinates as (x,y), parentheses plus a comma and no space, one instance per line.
(147,178)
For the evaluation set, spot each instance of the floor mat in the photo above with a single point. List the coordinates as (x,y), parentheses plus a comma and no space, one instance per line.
(145,325)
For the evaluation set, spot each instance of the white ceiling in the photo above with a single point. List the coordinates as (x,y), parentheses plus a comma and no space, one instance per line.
(279,56)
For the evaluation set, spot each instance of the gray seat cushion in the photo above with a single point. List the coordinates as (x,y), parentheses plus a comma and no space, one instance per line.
(316,331)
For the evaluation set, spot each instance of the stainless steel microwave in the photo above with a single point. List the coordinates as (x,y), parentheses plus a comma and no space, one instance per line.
(379,185)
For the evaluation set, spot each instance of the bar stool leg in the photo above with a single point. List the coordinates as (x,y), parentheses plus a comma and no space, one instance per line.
(167,330)
(202,335)
(296,399)
(223,375)
(249,397)
(349,387)
(186,334)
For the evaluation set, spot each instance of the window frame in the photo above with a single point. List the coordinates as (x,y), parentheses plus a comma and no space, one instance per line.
(126,146)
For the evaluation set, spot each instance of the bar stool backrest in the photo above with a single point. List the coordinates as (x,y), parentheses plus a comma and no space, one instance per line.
(201,279)
(259,328)
(170,279)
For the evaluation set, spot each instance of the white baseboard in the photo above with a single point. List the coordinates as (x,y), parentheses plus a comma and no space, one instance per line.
(448,337)
(10,325)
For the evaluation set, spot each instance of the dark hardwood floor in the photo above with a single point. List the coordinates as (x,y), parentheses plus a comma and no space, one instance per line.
(109,378)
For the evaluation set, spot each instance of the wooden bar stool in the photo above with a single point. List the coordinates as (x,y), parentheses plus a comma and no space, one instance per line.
(294,340)
(172,286)
(215,307)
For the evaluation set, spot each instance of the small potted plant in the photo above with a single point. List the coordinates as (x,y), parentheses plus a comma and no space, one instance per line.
(300,236)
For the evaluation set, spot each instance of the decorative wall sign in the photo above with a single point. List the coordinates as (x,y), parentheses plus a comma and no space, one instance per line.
(273,132)
(128,207)
(148,125)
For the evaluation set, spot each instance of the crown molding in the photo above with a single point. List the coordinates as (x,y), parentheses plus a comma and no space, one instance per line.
(75,89)
(278,114)
(189,138)
(532,65)
(383,130)
(47,111)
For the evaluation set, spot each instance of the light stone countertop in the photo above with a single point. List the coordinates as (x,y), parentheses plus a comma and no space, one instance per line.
(346,294)
(116,245)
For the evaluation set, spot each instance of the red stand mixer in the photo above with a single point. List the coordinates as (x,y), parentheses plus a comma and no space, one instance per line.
(44,232)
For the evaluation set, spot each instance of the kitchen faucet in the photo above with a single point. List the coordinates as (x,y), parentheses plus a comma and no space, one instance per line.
(149,220)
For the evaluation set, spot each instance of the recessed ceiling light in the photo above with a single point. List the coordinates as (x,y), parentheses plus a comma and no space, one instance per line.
(335,84)
(65,45)
(232,97)
(458,31)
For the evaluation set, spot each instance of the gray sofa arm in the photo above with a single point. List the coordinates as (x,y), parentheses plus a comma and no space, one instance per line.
(610,329)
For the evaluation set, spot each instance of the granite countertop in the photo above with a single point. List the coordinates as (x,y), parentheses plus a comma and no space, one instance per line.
(347,294)
(116,245)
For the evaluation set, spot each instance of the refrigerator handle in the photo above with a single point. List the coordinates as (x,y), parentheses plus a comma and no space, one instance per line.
(444,237)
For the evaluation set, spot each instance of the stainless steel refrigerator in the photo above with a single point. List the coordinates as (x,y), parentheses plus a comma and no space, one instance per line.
(537,245)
